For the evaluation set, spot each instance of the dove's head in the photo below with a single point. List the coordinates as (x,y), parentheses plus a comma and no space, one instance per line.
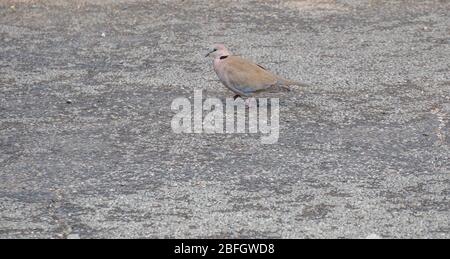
(219,50)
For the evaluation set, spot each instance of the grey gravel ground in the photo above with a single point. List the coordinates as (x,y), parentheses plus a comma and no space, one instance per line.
(87,151)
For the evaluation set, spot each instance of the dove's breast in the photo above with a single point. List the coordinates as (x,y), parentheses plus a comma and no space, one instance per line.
(221,68)
(218,67)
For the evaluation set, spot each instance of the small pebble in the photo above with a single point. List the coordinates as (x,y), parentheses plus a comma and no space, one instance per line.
(69,101)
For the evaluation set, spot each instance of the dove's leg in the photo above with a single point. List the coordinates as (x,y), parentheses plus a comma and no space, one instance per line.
(247,102)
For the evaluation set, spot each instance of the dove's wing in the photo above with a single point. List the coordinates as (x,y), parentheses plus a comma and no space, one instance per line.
(246,77)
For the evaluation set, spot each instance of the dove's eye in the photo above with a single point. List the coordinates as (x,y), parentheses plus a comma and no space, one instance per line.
(214,49)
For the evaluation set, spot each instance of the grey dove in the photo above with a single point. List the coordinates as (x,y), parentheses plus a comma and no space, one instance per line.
(244,77)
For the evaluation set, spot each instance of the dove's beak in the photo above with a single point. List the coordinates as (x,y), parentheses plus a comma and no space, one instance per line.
(207,55)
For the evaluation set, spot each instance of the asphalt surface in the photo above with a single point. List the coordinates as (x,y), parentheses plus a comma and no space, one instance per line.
(87,151)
